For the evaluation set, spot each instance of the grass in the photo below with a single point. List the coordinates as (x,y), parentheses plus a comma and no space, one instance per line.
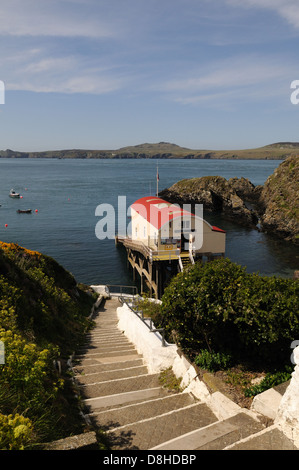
(169,381)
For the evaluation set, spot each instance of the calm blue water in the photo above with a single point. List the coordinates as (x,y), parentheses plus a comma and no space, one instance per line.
(67,192)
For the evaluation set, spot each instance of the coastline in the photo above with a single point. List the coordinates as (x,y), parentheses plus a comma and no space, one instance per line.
(163,150)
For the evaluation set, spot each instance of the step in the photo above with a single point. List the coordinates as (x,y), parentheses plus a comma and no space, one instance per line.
(96,340)
(108,366)
(96,403)
(216,436)
(106,338)
(269,439)
(107,356)
(115,356)
(109,359)
(102,376)
(87,362)
(103,349)
(135,412)
(114,331)
(105,327)
(148,433)
(116,386)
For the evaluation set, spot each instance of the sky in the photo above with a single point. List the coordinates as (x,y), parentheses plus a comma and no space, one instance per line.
(104,74)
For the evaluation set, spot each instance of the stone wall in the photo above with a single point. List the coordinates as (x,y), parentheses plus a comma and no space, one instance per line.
(159,358)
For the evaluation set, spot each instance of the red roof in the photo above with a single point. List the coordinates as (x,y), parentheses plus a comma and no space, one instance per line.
(216,229)
(158,212)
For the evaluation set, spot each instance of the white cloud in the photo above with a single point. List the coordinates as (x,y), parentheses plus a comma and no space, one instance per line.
(50,64)
(92,84)
(84,84)
(62,76)
(232,72)
(46,51)
(28,18)
(287,9)
(38,71)
(239,78)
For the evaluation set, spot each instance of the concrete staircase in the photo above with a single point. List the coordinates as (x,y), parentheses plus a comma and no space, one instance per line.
(122,398)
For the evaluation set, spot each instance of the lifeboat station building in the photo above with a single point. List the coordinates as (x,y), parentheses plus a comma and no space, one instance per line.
(165,238)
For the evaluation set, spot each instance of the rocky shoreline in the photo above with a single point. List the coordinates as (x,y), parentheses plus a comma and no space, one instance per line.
(272,207)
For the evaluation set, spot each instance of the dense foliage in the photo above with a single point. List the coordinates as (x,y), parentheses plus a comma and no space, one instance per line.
(220,307)
(43,316)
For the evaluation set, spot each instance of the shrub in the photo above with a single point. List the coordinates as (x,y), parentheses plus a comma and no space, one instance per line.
(15,432)
(213,361)
(197,306)
(269,381)
(28,371)
(220,307)
(43,317)
(150,309)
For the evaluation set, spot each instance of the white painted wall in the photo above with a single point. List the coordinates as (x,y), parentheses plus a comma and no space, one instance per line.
(158,358)
(288,412)
(148,344)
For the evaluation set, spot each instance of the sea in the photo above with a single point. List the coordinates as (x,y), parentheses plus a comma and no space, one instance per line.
(71,199)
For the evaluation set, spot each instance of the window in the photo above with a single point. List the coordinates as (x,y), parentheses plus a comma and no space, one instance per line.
(185,224)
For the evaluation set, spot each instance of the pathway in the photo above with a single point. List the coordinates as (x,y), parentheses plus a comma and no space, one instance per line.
(122,398)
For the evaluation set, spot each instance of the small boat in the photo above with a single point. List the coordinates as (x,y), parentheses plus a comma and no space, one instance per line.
(27,211)
(13,193)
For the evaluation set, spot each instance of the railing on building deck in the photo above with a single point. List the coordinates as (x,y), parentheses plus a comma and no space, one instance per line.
(132,303)
(153,255)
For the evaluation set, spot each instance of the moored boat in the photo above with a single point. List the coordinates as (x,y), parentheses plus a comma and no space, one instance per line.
(13,194)
(26,211)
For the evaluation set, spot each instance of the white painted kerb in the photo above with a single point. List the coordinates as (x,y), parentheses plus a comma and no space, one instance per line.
(148,344)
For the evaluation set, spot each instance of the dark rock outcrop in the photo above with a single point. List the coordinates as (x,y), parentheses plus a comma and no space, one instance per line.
(245,189)
(216,194)
(279,201)
(275,205)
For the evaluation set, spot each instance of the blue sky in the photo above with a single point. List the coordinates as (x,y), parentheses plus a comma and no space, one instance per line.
(104,74)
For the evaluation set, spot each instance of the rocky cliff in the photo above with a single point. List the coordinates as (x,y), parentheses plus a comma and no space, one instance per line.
(275,205)
(216,194)
(279,201)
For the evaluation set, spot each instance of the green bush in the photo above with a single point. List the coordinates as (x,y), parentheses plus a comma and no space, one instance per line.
(15,432)
(28,371)
(150,309)
(43,318)
(269,381)
(197,306)
(219,306)
(213,361)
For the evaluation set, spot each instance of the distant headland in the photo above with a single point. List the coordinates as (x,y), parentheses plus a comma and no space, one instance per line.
(165,150)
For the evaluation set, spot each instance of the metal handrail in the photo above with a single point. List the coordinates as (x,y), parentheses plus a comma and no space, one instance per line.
(122,287)
(123,300)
